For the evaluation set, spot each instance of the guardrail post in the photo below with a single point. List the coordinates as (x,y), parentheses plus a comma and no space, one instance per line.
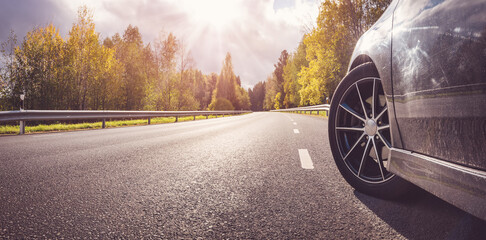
(223,114)
(148,121)
(177,119)
(207,116)
(103,124)
(194,118)
(21,127)
(317,112)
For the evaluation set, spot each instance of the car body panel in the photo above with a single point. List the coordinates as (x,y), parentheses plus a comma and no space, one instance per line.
(461,186)
(375,45)
(431,57)
(439,79)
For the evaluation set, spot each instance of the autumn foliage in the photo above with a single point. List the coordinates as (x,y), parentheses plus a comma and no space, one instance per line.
(121,72)
(310,75)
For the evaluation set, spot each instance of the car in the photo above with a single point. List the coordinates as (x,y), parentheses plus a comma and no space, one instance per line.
(411,110)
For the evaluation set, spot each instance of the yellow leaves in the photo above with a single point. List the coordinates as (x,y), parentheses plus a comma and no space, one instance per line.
(221,104)
(85,18)
(323,66)
(78,72)
(329,46)
(277,101)
(226,85)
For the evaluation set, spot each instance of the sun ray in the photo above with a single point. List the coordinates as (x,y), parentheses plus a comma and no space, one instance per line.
(217,14)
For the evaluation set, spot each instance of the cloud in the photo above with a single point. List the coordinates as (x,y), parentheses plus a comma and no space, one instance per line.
(253,31)
(24,15)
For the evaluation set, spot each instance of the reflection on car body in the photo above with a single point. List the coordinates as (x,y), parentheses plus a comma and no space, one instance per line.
(429,57)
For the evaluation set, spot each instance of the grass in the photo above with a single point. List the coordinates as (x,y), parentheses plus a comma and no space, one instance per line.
(14,129)
(314,113)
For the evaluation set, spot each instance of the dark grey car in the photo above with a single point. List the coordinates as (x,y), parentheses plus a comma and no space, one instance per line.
(412,108)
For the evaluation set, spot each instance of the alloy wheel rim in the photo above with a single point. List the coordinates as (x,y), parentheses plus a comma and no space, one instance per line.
(363,131)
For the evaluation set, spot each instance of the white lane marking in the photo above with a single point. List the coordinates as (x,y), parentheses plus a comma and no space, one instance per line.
(295,123)
(305,159)
(296,131)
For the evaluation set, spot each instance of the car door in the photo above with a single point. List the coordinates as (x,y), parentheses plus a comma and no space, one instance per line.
(439,78)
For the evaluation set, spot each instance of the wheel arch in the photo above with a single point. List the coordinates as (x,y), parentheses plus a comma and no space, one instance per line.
(360,59)
(384,74)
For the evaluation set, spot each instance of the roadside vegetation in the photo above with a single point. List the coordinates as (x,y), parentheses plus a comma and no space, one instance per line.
(310,74)
(82,71)
(314,113)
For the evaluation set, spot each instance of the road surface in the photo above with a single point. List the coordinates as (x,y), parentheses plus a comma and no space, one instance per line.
(256,176)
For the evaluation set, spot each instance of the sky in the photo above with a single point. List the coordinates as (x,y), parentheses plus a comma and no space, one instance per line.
(254,31)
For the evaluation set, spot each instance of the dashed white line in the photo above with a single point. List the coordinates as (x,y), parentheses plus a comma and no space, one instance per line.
(295,123)
(305,159)
(296,131)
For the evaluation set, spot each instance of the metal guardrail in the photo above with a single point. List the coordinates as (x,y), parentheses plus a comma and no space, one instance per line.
(38,115)
(315,108)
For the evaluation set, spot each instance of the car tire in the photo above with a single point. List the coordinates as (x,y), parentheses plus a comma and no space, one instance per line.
(359,134)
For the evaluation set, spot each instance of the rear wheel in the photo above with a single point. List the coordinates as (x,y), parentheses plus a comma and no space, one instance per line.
(359,134)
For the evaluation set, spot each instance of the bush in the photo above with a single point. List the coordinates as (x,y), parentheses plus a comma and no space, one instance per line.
(221,104)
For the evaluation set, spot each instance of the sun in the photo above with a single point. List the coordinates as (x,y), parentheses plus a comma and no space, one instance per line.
(217,14)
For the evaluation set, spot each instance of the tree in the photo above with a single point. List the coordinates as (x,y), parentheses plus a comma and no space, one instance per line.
(211,81)
(9,77)
(76,73)
(40,76)
(279,79)
(166,50)
(329,46)
(225,86)
(257,96)
(199,89)
(295,63)
(185,86)
(243,99)
(80,72)
(221,104)
(270,92)
(83,49)
(134,78)
(110,80)
(226,83)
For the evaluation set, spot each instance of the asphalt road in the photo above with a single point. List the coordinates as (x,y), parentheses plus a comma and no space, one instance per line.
(234,177)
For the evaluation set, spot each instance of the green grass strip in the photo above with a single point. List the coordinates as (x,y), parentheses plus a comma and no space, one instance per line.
(14,129)
(314,113)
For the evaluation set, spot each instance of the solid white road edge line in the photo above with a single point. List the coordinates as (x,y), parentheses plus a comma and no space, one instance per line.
(296,131)
(305,159)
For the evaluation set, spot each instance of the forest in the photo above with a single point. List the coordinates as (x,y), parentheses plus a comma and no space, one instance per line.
(310,74)
(84,72)
(121,72)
